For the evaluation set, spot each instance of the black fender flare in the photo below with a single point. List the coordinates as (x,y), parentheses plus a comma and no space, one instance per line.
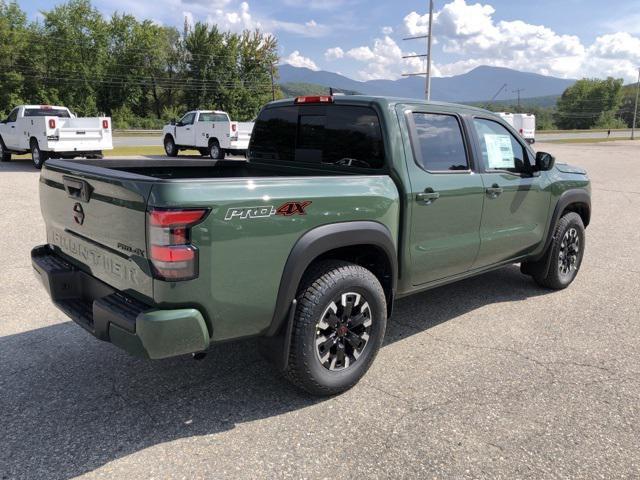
(569,197)
(308,248)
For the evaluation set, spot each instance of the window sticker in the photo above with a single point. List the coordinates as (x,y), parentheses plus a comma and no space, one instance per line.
(499,151)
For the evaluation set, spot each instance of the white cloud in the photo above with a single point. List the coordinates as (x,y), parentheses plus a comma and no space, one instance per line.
(362,54)
(384,60)
(334,53)
(295,59)
(470,31)
(386,30)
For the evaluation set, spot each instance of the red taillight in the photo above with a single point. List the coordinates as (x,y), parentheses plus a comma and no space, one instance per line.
(172,255)
(52,123)
(315,99)
(233,127)
(105,124)
(175,218)
(521,131)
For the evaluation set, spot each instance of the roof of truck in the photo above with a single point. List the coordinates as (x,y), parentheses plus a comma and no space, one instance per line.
(385,101)
(42,106)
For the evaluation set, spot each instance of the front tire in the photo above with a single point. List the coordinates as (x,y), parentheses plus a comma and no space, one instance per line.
(566,252)
(338,329)
(170,147)
(5,156)
(38,157)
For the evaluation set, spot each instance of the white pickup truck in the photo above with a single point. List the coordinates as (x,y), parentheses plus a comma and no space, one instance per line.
(211,132)
(53,132)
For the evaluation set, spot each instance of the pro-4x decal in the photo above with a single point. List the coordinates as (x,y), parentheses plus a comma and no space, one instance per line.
(292,208)
(287,209)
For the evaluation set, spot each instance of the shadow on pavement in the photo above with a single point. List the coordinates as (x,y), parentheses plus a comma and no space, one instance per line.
(70,404)
(18,165)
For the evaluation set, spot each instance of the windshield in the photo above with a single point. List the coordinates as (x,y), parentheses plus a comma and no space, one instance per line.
(47,112)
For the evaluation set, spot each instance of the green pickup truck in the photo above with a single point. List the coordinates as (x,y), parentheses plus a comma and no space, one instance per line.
(343,205)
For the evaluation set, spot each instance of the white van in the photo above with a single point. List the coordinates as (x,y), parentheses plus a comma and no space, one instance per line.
(525,124)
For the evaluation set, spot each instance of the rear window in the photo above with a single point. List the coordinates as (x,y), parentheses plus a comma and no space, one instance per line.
(339,135)
(46,112)
(212,117)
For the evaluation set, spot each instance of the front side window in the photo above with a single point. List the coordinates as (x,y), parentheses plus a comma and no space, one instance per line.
(13,116)
(499,148)
(188,119)
(440,144)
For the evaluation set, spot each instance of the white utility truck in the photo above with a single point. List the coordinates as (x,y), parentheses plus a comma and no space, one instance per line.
(53,132)
(211,132)
(525,124)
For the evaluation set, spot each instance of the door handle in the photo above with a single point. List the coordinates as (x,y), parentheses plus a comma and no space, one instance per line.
(187,129)
(494,191)
(427,197)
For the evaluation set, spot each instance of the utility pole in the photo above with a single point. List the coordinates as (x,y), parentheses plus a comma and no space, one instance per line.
(518,90)
(429,36)
(635,110)
(273,85)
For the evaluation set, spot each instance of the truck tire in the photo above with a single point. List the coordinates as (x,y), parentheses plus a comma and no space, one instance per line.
(5,156)
(338,328)
(37,156)
(215,152)
(170,146)
(566,252)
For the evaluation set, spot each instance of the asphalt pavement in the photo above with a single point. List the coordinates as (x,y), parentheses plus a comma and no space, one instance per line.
(492,377)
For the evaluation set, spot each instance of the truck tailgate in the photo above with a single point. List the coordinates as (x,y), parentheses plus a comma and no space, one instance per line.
(99,220)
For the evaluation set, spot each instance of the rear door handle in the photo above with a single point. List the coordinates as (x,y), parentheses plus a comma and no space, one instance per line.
(494,190)
(427,197)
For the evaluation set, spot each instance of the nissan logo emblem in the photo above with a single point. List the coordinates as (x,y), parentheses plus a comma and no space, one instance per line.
(78,214)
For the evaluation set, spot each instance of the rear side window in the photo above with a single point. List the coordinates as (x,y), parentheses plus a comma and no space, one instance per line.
(46,112)
(339,135)
(439,144)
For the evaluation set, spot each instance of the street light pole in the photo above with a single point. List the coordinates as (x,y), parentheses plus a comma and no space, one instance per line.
(635,110)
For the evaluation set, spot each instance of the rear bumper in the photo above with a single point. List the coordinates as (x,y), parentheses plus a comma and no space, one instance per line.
(113,316)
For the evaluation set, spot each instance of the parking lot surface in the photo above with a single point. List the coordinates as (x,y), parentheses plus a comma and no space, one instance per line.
(492,377)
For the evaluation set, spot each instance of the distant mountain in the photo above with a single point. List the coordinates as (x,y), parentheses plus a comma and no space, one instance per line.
(477,85)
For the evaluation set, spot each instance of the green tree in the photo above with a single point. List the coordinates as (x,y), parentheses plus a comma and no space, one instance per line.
(13,36)
(589,102)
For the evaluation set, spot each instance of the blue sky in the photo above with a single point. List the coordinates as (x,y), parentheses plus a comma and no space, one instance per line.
(362,39)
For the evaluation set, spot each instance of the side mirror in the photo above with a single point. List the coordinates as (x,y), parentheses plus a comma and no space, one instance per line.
(172,122)
(544,161)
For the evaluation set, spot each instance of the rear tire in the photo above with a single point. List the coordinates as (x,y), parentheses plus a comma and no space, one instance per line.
(5,156)
(38,157)
(338,328)
(170,147)
(564,255)
(215,152)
